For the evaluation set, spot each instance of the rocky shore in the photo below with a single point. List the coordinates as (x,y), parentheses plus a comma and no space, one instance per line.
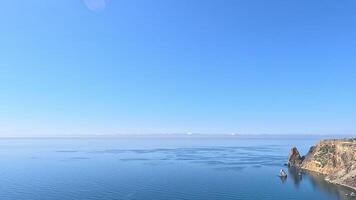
(335,159)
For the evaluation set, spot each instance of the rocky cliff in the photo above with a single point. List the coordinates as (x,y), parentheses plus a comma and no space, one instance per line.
(336,159)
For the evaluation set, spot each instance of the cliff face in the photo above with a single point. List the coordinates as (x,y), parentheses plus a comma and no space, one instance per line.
(336,159)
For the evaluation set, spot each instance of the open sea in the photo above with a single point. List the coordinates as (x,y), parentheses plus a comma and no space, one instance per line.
(153,168)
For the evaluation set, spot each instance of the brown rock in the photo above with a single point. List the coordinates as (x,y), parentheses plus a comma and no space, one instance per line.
(294,158)
(336,159)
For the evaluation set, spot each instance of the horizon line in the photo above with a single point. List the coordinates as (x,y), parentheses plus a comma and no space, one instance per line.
(172,135)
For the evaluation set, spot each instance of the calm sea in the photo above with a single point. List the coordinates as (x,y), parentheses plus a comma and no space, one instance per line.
(157,169)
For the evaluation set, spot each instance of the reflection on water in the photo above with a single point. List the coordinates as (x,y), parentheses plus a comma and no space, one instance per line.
(283,179)
(319,183)
(295,175)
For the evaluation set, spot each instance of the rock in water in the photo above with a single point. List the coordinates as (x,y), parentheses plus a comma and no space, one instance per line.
(294,158)
(282,173)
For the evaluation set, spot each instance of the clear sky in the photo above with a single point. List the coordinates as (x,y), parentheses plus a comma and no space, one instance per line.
(76,67)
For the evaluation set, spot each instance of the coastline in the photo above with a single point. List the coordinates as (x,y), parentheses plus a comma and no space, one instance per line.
(332,158)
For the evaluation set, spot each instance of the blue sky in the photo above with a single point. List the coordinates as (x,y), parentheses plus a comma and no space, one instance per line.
(75,67)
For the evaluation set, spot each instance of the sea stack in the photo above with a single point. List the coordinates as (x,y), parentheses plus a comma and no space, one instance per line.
(294,158)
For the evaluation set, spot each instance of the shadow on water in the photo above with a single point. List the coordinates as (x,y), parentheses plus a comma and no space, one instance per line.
(296,175)
(332,189)
(319,183)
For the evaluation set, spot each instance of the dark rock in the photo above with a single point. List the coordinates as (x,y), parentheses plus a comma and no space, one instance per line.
(294,158)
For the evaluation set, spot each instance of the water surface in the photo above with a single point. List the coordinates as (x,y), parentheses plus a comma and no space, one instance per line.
(157,168)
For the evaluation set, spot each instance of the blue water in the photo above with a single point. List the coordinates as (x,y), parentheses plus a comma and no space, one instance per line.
(157,169)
